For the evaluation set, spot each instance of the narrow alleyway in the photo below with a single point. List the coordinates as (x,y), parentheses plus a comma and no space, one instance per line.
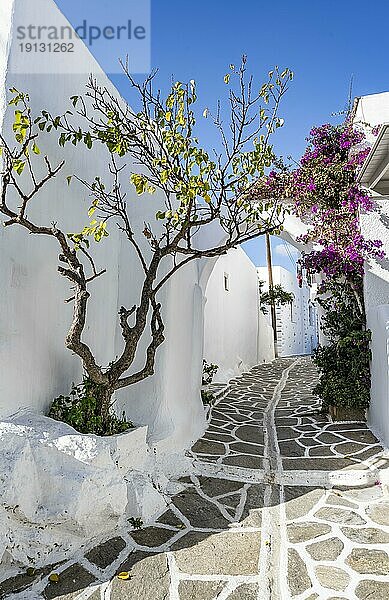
(281,504)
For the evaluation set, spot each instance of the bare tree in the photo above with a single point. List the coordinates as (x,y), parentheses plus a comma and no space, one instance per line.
(165,154)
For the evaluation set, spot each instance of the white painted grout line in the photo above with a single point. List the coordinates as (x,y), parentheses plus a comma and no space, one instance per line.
(174,577)
(219,577)
(268,570)
(326,478)
(272,565)
(283,556)
(106,589)
(265,555)
(228,472)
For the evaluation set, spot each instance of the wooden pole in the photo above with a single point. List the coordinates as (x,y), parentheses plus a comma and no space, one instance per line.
(271,285)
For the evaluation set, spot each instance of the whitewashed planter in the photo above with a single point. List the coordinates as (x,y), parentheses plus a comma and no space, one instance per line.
(60,488)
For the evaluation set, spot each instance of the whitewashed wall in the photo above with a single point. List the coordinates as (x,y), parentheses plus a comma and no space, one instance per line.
(374,110)
(235,337)
(378,322)
(376,292)
(296,333)
(35,366)
(266,350)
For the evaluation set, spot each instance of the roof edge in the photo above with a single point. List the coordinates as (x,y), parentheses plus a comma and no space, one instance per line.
(374,148)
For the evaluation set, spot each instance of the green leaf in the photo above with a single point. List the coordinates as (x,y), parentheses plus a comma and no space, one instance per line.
(69,179)
(19,166)
(88,140)
(227,78)
(139,181)
(93,208)
(35,149)
(141,184)
(164,176)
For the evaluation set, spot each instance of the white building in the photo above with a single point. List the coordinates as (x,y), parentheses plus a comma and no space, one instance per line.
(33,318)
(374,176)
(236,335)
(297,323)
(36,367)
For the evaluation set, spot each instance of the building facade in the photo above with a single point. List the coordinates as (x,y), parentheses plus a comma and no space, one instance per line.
(236,335)
(373,110)
(297,323)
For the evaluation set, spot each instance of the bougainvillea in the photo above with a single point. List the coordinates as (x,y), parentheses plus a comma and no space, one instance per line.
(325,194)
(323,191)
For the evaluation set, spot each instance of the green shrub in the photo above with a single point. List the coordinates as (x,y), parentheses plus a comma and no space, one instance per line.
(82,410)
(345,371)
(344,364)
(207,397)
(209,372)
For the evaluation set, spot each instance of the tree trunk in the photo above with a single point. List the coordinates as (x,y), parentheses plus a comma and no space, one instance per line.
(105,402)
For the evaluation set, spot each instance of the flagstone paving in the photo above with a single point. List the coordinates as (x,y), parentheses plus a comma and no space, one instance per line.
(280,504)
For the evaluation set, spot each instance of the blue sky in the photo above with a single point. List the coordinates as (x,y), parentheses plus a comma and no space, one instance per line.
(324,42)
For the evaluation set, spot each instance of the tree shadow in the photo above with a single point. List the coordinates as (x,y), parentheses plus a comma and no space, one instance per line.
(212,526)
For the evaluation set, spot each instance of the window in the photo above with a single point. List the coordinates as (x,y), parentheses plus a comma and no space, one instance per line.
(292,313)
(226,282)
(311,313)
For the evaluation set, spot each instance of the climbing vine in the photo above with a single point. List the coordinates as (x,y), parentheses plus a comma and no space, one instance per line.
(276,295)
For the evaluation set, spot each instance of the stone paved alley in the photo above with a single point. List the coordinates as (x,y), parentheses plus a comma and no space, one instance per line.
(281,504)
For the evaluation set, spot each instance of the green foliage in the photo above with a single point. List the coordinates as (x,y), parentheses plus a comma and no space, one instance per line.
(345,371)
(136,523)
(342,307)
(277,294)
(344,364)
(151,146)
(160,135)
(207,397)
(141,184)
(209,372)
(22,127)
(82,410)
(96,229)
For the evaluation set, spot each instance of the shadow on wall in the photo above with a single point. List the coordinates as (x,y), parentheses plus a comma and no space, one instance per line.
(375,225)
(378,414)
(236,335)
